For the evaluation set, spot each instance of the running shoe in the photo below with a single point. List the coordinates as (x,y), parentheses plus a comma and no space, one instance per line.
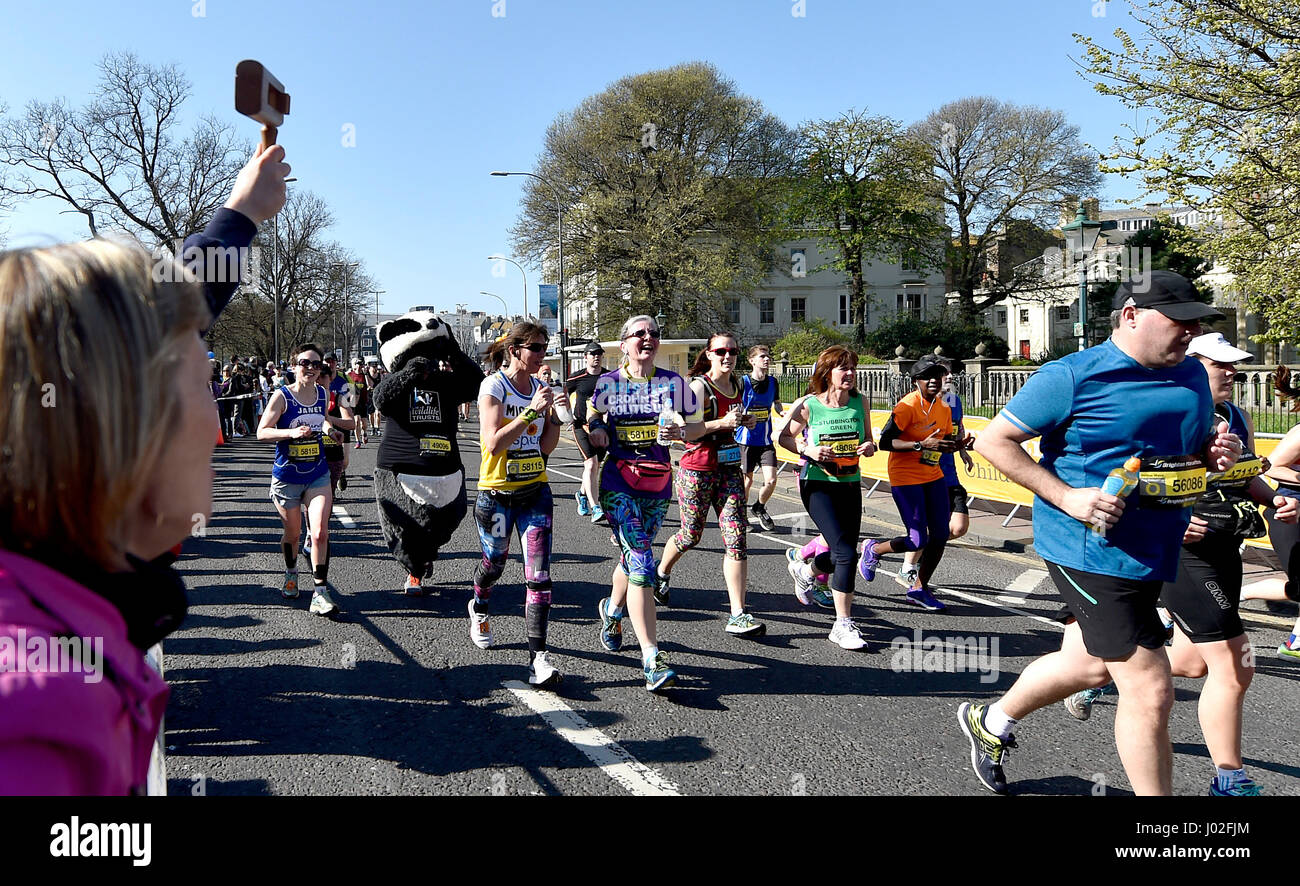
(611,628)
(845,634)
(764,519)
(821,595)
(306,544)
(744,625)
(661,589)
(1243,788)
(919,595)
(986,749)
(658,675)
(869,560)
(1288,651)
(289,590)
(613,539)
(597,514)
(358,446)
(343,478)
(321,602)
(907,576)
(803,587)
(541,673)
(584,510)
(413,587)
(480,630)
(1080,703)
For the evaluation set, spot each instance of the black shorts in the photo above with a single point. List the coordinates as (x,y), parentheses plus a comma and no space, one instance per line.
(957,499)
(1116,615)
(753,456)
(1204,600)
(585,447)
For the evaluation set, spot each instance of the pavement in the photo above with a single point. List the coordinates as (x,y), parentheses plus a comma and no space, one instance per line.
(392,698)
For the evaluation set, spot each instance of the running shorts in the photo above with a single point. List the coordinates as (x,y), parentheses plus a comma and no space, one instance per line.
(1116,615)
(1205,598)
(753,456)
(287,495)
(957,499)
(584,444)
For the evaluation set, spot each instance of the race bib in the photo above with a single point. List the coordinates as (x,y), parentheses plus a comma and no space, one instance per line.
(729,454)
(522,466)
(1170,481)
(762,414)
(637,435)
(433,445)
(844,452)
(1247,468)
(304,451)
(930,456)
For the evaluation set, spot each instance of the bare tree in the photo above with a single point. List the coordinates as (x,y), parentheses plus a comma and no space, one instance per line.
(122,160)
(1000,164)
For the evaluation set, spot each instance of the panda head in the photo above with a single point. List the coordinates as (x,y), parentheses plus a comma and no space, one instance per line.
(416,334)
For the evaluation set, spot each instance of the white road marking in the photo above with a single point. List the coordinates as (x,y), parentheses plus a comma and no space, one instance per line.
(344,517)
(975,598)
(1023,586)
(609,755)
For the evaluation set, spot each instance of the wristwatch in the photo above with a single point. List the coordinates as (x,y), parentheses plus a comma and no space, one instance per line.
(917,446)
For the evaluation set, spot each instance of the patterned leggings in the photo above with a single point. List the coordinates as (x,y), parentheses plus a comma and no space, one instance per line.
(636,521)
(499,517)
(724,491)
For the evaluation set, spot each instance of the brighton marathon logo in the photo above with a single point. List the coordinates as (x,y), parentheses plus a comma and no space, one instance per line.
(21,654)
(946,655)
(211,264)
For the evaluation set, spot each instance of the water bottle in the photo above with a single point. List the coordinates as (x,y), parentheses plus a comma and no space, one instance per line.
(1120,481)
(667,416)
(562,411)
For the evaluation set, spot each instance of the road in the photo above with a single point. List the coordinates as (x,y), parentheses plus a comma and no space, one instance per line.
(392,698)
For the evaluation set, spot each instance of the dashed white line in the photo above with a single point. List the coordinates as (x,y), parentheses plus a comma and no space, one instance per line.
(1023,586)
(344,517)
(631,775)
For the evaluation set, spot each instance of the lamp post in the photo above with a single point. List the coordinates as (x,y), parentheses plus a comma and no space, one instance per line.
(504,306)
(275,263)
(376,293)
(521,270)
(559,223)
(346,266)
(1081,237)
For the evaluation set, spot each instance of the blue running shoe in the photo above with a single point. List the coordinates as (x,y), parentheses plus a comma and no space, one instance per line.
(611,628)
(1244,788)
(583,508)
(597,514)
(920,595)
(868,561)
(658,675)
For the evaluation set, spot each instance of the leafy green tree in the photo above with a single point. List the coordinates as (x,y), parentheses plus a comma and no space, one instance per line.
(865,191)
(920,336)
(1221,81)
(669,183)
(808,339)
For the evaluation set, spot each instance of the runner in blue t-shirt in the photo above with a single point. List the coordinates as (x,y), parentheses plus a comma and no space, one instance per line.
(1135,394)
(762,400)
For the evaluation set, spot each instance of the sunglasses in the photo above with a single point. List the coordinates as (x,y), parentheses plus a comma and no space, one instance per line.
(536,347)
(724,352)
(310,364)
(643,334)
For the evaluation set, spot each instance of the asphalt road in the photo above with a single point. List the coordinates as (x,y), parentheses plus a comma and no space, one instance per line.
(392,698)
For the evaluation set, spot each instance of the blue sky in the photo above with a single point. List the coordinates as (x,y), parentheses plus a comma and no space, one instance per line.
(441,92)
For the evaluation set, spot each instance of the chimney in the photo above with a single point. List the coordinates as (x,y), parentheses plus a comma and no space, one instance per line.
(1069,208)
(1092,206)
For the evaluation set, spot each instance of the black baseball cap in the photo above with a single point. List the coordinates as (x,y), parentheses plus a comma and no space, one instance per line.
(929,364)
(1171,294)
(596,348)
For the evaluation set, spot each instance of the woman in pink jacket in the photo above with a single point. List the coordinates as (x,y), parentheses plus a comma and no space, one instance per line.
(91,503)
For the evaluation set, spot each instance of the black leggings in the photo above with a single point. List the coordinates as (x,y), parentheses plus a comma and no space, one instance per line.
(1285,537)
(836,508)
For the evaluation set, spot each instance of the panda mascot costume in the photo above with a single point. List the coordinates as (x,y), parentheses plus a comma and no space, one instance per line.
(419,477)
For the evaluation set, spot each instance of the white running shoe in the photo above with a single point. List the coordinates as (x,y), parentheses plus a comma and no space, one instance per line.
(541,673)
(845,634)
(480,630)
(321,603)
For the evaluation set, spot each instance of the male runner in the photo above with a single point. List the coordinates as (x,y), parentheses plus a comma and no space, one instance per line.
(760,398)
(579,389)
(1134,394)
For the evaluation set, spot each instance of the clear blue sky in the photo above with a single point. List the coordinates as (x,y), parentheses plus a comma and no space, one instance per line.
(441,92)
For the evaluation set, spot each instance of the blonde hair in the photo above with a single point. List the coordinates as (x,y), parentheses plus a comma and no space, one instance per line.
(91,346)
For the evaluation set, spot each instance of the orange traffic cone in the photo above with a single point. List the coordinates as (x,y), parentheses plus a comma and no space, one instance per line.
(221,440)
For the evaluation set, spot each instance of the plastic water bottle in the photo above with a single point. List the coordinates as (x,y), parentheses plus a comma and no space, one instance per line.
(667,416)
(562,411)
(1120,481)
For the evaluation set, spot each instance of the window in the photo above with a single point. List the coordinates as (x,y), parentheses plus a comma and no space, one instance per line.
(1002,316)
(1024,348)
(1024,315)
(844,309)
(766,311)
(798,309)
(909,260)
(733,311)
(911,302)
(1063,312)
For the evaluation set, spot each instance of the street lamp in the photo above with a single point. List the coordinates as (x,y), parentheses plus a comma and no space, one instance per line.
(661,320)
(521,270)
(559,307)
(504,306)
(275,263)
(346,265)
(1081,236)
(376,293)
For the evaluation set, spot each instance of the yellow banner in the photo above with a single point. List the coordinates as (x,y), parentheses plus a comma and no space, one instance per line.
(986,481)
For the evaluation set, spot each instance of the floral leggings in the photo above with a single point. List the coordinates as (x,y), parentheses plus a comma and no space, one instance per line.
(724,491)
(636,521)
